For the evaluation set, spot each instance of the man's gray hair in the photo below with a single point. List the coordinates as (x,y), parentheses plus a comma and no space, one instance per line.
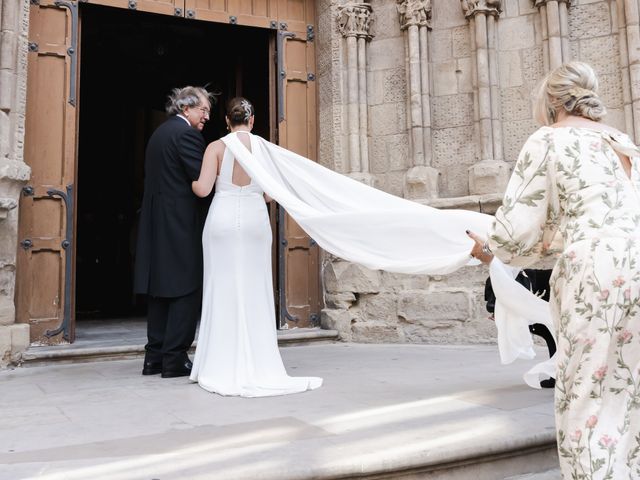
(182,98)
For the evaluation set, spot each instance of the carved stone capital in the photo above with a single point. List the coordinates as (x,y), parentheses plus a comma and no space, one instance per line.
(355,20)
(414,12)
(540,3)
(488,176)
(421,182)
(488,7)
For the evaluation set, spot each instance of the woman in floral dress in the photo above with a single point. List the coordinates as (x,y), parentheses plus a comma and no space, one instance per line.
(580,179)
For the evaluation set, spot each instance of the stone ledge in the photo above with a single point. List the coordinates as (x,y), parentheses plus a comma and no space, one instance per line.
(72,353)
(548,475)
(487,203)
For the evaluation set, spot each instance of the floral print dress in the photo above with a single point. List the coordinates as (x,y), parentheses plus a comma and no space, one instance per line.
(569,188)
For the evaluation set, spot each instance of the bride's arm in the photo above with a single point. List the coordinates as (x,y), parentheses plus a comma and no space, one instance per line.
(209,171)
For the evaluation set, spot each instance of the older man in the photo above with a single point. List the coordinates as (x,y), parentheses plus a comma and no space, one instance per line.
(169,251)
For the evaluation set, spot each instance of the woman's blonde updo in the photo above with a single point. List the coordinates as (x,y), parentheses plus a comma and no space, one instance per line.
(239,111)
(572,87)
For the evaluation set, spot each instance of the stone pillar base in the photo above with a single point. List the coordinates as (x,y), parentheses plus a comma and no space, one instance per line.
(421,182)
(488,176)
(14,339)
(362,177)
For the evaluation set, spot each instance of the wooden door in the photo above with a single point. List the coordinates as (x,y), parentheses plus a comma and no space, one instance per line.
(252,13)
(165,7)
(297,132)
(45,253)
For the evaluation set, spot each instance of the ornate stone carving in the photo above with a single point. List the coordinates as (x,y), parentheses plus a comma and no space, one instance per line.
(414,12)
(488,7)
(355,20)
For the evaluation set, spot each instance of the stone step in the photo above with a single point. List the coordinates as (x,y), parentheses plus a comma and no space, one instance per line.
(402,412)
(531,460)
(131,345)
(547,475)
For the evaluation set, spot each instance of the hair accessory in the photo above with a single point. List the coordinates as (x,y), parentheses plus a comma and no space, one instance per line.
(246,106)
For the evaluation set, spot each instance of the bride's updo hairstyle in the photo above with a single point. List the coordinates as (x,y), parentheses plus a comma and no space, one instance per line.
(573,87)
(239,111)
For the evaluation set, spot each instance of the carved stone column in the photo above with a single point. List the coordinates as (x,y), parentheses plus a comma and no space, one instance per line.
(629,40)
(354,23)
(14,338)
(491,174)
(555,31)
(421,180)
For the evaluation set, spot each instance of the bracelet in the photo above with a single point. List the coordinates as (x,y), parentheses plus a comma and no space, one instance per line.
(485,248)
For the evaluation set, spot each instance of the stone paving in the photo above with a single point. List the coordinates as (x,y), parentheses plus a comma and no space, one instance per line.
(382,409)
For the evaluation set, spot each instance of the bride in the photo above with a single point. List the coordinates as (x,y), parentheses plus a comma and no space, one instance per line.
(237,352)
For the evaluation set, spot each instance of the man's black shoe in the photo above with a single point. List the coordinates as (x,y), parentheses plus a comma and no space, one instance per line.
(152,368)
(183,370)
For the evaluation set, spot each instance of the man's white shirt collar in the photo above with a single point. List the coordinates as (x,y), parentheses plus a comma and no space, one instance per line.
(184,118)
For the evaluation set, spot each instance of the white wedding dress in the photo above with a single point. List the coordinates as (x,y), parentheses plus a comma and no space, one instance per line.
(367,226)
(237,352)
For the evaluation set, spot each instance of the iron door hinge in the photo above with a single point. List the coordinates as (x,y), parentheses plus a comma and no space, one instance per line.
(71,51)
(67,200)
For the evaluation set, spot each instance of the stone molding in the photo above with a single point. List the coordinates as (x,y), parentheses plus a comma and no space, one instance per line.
(355,20)
(539,3)
(554,23)
(490,175)
(488,7)
(14,338)
(629,51)
(421,179)
(414,12)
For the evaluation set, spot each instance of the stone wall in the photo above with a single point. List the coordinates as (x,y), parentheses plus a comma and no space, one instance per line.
(485,58)
(427,99)
(14,338)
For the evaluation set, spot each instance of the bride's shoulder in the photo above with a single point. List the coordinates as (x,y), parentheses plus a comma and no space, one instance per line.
(217,147)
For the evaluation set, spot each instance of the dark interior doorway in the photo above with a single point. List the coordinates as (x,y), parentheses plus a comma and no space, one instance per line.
(129,63)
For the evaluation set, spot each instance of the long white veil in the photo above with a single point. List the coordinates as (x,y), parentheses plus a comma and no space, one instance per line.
(380,231)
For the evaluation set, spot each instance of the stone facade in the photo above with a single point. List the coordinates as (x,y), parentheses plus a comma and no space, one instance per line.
(426,99)
(482,60)
(14,25)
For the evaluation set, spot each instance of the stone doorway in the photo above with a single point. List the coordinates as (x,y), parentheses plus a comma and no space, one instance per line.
(129,63)
(78,213)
